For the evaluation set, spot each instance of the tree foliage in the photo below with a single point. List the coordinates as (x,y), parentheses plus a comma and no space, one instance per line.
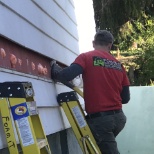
(144,63)
(131,22)
(116,15)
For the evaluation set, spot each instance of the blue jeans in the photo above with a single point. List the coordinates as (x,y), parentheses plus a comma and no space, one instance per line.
(105,129)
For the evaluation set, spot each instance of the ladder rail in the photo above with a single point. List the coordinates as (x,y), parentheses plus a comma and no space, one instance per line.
(17,99)
(8,126)
(76,117)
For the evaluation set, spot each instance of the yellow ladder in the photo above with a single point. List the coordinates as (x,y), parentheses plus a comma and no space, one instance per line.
(75,115)
(18,110)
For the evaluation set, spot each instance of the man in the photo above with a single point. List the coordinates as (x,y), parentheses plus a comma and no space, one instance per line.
(106,88)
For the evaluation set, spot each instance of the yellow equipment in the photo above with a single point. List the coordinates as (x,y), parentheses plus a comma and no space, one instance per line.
(17,107)
(75,115)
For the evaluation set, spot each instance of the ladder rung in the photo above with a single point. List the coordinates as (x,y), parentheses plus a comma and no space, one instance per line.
(41,143)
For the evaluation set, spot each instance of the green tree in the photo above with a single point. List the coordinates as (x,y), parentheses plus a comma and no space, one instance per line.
(131,22)
(144,61)
(116,15)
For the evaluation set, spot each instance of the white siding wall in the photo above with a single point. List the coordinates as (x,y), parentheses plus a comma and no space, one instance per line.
(48,27)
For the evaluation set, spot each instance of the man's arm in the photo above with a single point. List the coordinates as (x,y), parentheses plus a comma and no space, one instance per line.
(69,73)
(125,95)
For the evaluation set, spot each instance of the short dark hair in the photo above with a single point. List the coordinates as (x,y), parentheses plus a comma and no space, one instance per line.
(103,37)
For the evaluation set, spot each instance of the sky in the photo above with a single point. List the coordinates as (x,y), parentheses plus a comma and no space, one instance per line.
(86,24)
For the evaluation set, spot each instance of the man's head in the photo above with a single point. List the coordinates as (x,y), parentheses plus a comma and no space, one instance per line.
(103,38)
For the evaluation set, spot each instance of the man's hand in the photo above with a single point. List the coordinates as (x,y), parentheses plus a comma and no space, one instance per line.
(55,69)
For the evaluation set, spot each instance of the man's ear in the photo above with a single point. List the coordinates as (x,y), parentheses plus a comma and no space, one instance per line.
(110,46)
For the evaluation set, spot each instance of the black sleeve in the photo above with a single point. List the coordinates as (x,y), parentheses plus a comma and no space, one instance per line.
(69,73)
(125,95)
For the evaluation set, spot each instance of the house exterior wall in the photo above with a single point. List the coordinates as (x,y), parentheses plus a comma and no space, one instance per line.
(47,27)
(37,31)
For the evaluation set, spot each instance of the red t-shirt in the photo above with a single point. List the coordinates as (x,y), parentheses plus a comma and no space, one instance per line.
(103,79)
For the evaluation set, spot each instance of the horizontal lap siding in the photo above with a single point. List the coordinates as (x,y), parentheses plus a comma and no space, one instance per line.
(41,26)
(33,29)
